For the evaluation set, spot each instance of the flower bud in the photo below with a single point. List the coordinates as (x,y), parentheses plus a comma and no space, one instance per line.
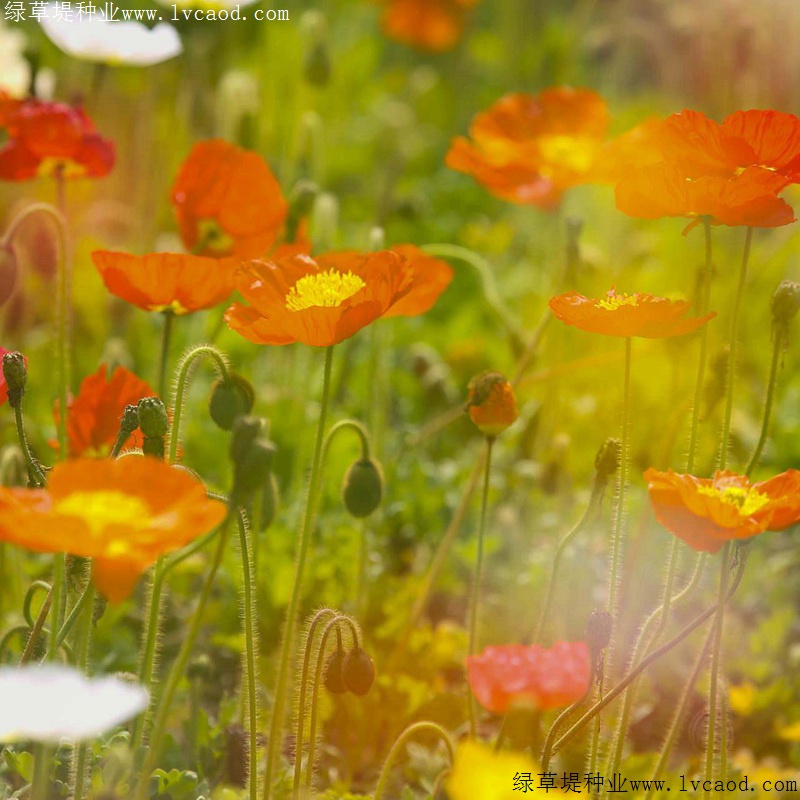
(358,671)
(301,203)
(269,503)
(245,431)
(8,272)
(606,462)
(317,63)
(130,419)
(785,302)
(15,371)
(153,419)
(362,488)
(598,630)
(492,405)
(230,399)
(334,672)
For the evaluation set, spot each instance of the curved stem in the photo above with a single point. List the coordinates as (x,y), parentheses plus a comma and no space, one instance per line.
(401,741)
(716,661)
(221,364)
(773,380)
(36,629)
(485,273)
(312,725)
(346,424)
(86,599)
(178,668)
(250,638)
(36,474)
(477,580)
(279,701)
(734,344)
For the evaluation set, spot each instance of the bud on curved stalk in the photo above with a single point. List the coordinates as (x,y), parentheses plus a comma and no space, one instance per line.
(252,454)
(362,488)
(231,397)
(491,403)
(358,671)
(154,423)
(15,372)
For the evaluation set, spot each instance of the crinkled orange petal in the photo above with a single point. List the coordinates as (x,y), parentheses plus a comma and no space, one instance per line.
(434,25)
(773,136)
(431,276)
(166,281)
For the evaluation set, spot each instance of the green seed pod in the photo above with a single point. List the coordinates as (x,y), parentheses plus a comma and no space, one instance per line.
(270,497)
(230,399)
(15,371)
(358,671)
(153,419)
(334,672)
(362,488)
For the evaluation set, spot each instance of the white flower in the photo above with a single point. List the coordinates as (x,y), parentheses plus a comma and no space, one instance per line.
(15,72)
(93,38)
(50,702)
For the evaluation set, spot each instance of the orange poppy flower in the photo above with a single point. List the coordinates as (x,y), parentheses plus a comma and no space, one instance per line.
(707,512)
(491,403)
(94,415)
(625,315)
(8,105)
(430,277)
(749,198)
(529,149)
(166,281)
(533,676)
(122,513)
(53,138)
(227,202)
(434,25)
(319,301)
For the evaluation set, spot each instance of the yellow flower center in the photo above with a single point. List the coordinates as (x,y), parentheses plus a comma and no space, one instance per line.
(745,501)
(211,237)
(102,508)
(613,302)
(323,289)
(568,152)
(49,167)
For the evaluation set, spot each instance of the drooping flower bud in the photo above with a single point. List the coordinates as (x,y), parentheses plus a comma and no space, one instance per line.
(606,462)
(317,64)
(785,302)
(598,630)
(230,399)
(153,422)
(15,371)
(358,671)
(362,488)
(8,272)
(334,672)
(491,403)
(252,454)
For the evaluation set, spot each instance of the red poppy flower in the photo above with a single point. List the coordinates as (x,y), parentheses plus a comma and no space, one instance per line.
(53,138)
(8,105)
(227,202)
(166,281)
(625,315)
(519,675)
(434,25)
(529,149)
(325,300)
(749,198)
(94,415)
(430,277)
(122,513)
(707,512)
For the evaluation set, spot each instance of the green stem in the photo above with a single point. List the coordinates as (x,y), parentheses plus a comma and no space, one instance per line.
(178,398)
(178,668)
(36,628)
(250,638)
(279,701)
(166,335)
(36,475)
(346,424)
(477,580)
(84,651)
(485,273)
(734,345)
(400,743)
(716,662)
(86,599)
(773,380)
